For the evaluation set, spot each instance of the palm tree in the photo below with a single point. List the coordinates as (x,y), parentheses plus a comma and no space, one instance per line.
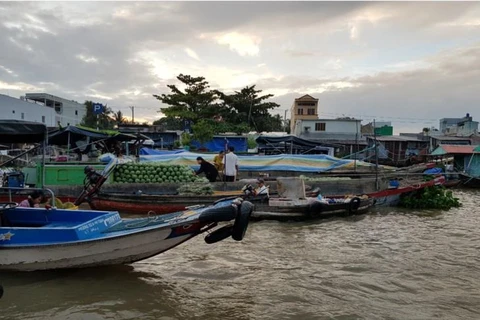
(118,117)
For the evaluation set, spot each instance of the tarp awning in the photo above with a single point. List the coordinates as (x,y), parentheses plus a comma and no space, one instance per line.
(290,139)
(76,133)
(16,131)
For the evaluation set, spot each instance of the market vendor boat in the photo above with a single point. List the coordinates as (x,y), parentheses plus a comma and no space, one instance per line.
(284,209)
(41,239)
(392,196)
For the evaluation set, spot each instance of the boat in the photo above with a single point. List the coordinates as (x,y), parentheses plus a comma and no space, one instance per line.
(391,197)
(282,209)
(42,239)
(469,181)
(155,203)
(51,238)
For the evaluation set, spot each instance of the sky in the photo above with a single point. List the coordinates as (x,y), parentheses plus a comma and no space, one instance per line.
(410,63)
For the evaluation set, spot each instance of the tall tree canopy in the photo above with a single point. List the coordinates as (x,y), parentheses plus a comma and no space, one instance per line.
(239,112)
(197,101)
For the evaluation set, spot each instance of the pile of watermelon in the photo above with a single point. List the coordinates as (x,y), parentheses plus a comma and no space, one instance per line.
(152,173)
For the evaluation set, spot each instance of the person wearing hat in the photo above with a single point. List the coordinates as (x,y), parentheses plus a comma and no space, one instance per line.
(209,169)
(262,189)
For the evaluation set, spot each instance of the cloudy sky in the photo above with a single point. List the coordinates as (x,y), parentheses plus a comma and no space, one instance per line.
(410,63)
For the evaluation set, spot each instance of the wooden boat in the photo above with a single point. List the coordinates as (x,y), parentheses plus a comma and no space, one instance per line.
(391,197)
(309,208)
(156,204)
(469,181)
(41,239)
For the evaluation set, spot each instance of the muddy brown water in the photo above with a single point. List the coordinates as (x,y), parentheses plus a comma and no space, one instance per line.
(389,264)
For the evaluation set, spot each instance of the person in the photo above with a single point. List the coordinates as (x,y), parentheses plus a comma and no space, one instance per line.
(218,161)
(33,200)
(209,169)
(230,162)
(262,189)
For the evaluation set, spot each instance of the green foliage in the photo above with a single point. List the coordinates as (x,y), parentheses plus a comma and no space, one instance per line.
(104,119)
(251,143)
(200,187)
(239,112)
(169,123)
(118,118)
(436,197)
(197,101)
(202,131)
(186,139)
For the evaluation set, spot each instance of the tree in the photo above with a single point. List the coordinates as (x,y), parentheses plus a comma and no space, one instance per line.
(203,132)
(250,107)
(169,123)
(118,117)
(197,101)
(102,121)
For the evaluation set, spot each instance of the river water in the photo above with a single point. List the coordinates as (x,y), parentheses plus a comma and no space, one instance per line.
(389,264)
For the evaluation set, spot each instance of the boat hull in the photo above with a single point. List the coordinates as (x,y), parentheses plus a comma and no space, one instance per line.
(110,251)
(156,204)
(470,182)
(264,211)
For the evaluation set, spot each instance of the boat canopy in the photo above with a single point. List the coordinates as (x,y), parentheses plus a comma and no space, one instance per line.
(75,133)
(17,131)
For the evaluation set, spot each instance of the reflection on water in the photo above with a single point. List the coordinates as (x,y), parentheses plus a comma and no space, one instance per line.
(390,264)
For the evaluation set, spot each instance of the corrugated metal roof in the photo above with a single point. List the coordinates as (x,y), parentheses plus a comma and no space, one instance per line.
(450,138)
(453,149)
(396,138)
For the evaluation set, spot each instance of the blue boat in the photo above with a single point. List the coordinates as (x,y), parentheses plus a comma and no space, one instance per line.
(42,239)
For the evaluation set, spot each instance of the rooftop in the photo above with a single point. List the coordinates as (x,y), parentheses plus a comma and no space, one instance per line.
(396,138)
(453,149)
(451,138)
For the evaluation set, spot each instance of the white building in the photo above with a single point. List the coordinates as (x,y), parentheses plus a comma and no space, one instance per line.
(42,107)
(66,111)
(343,126)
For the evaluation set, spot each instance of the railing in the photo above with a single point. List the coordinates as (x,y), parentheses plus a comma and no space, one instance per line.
(28,189)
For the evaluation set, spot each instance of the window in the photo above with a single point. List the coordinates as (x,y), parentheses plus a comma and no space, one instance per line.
(311,111)
(13,111)
(320,126)
(306,104)
(23,116)
(76,112)
(43,119)
(300,111)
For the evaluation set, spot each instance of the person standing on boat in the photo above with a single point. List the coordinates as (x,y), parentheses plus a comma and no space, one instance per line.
(218,161)
(33,200)
(211,173)
(231,165)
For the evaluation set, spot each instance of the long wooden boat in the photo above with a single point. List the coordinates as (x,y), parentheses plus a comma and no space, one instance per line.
(310,208)
(156,204)
(40,239)
(469,181)
(391,197)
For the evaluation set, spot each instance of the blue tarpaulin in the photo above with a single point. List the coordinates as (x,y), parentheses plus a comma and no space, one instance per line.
(218,144)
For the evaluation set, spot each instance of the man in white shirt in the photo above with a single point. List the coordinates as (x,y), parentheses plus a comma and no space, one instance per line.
(262,189)
(230,162)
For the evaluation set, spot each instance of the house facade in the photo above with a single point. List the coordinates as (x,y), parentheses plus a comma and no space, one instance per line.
(303,108)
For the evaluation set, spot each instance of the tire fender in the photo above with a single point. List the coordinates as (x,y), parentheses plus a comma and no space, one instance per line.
(354,205)
(241,221)
(219,234)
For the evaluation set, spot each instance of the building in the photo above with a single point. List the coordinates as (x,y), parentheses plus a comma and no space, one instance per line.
(436,141)
(164,139)
(303,108)
(397,150)
(67,112)
(459,126)
(381,129)
(42,107)
(19,109)
(465,157)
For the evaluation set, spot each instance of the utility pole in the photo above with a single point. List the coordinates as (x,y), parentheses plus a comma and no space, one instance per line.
(376,155)
(133,113)
(285,120)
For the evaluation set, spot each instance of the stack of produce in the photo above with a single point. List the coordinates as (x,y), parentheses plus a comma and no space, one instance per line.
(152,173)
(200,187)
